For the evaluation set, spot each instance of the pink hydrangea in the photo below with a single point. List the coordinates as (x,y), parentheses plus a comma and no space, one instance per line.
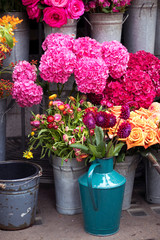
(116,58)
(91,75)
(135,89)
(87,47)
(24,71)
(148,63)
(27,93)
(56,40)
(75,9)
(57,65)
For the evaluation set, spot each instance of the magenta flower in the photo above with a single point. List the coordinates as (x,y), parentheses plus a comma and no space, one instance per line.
(124,130)
(75,9)
(125,112)
(24,71)
(105,120)
(56,40)
(57,65)
(33,12)
(55,17)
(27,93)
(116,58)
(89,120)
(57,117)
(91,75)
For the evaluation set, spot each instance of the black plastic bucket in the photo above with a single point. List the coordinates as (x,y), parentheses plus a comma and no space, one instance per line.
(19,184)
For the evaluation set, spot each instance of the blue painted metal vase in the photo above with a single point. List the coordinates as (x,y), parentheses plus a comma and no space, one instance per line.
(102,191)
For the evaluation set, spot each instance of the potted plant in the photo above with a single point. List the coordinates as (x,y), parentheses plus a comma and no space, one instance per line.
(106,18)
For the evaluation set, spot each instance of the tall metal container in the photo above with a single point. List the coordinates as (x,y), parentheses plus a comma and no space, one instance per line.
(102,191)
(106,27)
(66,185)
(19,184)
(3,108)
(140,27)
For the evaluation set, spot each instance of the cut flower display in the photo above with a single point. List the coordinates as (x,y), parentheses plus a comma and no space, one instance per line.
(54,13)
(106,6)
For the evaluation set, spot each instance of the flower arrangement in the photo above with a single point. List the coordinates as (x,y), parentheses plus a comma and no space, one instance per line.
(106,6)
(100,143)
(54,13)
(145,134)
(7,39)
(106,72)
(58,128)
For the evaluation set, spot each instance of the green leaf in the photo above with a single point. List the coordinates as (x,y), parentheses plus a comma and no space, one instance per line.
(110,149)
(120,157)
(99,134)
(93,150)
(101,148)
(9,39)
(118,148)
(80,146)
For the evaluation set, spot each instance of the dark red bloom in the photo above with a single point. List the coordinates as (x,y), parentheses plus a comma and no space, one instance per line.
(125,112)
(124,130)
(105,120)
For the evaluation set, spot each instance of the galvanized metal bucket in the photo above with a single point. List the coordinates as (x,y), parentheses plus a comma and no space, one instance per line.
(66,185)
(3,108)
(19,184)
(128,169)
(70,28)
(106,27)
(152,181)
(140,27)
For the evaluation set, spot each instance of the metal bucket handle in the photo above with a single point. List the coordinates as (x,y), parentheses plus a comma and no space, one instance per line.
(148,3)
(90,176)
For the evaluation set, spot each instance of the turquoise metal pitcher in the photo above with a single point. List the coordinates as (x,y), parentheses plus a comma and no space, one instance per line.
(102,191)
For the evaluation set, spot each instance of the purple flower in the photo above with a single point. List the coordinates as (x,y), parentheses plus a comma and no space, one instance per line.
(124,130)
(125,112)
(105,120)
(89,120)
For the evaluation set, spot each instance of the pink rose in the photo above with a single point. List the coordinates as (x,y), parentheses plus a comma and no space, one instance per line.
(56,3)
(29,2)
(55,17)
(33,12)
(75,9)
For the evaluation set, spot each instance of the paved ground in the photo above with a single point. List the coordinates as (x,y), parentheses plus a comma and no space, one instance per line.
(141,221)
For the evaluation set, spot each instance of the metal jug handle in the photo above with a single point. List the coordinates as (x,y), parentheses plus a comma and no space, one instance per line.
(90,176)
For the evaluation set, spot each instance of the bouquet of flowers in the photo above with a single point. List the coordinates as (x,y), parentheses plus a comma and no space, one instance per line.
(59,127)
(106,6)
(54,13)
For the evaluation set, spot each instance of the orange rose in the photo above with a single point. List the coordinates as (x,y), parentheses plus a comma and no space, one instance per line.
(143,112)
(116,110)
(151,137)
(137,121)
(136,138)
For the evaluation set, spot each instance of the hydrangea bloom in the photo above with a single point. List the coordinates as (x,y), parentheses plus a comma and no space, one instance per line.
(55,40)
(125,112)
(148,63)
(91,75)
(57,65)
(135,89)
(87,47)
(24,70)
(27,93)
(116,58)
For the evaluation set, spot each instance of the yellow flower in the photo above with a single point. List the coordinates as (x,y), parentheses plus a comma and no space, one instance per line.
(32,133)
(52,97)
(28,154)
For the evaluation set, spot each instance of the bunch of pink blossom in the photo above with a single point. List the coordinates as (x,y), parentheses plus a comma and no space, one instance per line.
(57,65)
(86,47)
(55,40)
(25,91)
(90,75)
(54,13)
(24,70)
(106,6)
(135,89)
(116,58)
(148,63)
